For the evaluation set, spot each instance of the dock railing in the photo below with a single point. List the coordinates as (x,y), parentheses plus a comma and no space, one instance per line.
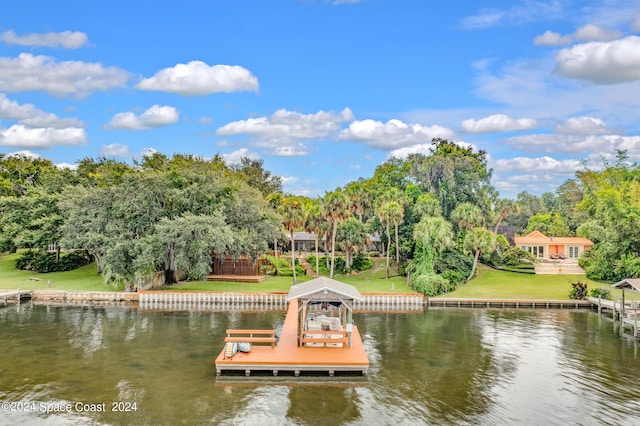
(256,337)
(325,338)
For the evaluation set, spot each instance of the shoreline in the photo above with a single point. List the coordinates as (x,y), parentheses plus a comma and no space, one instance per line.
(181,300)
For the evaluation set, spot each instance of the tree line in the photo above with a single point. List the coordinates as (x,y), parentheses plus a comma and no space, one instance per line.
(437,215)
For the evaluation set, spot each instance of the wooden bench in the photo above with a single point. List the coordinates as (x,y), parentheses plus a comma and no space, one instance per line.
(252,336)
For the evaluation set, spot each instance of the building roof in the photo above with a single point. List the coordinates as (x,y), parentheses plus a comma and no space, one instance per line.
(326,288)
(537,237)
(629,283)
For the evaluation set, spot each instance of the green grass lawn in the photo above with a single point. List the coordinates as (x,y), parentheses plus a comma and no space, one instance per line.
(85,278)
(369,281)
(493,284)
(488,283)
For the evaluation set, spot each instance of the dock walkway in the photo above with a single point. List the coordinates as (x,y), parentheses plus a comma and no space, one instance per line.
(628,315)
(17,296)
(287,356)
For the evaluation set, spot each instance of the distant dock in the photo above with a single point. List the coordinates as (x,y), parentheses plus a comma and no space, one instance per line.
(628,314)
(15,296)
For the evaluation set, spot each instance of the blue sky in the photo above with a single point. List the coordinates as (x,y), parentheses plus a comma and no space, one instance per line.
(325,91)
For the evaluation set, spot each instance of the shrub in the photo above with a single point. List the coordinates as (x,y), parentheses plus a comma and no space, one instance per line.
(431,284)
(578,291)
(603,293)
(515,256)
(339,266)
(43,262)
(276,265)
(361,263)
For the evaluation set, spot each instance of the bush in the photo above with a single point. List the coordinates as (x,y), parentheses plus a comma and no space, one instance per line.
(361,263)
(578,291)
(431,284)
(515,256)
(278,266)
(603,293)
(43,262)
(339,266)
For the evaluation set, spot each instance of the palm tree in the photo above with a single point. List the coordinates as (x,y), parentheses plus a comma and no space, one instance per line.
(293,215)
(433,235)
(395,214)
(478,241)
(352,237)
(336,210)
(274,200)
(427,205)
(359,198)
(314,224)
(390,212)
(467,216)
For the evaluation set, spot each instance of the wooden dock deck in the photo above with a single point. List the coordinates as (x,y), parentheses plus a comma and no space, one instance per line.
(287,356)
(237,278)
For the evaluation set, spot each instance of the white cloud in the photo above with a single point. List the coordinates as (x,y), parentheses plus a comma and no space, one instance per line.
(393,134)
(482,20)
(67,166)
(69,78)
(582,126)
(25,153)
(497,123)
(539,164)
(156,116)
(236,156)
(550,38)
(289,124)
(591,32)
(148,152)
(115,150)
(198,78)
(31,116)
(281,132)
(65,39)
(205,120)
(523,11)
(601,62)
(22,136)
(293,150)
(288,180)
(403,153)
(558,143)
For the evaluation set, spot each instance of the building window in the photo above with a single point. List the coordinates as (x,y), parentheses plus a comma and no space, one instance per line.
(573,252)
(537,251)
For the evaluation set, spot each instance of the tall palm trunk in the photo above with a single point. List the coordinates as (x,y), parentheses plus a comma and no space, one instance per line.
(333,247)
(475,265)
(388,249)
(397,249)
(293,257)
(317,260)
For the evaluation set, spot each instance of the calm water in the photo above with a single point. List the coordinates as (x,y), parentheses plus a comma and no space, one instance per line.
(444,366)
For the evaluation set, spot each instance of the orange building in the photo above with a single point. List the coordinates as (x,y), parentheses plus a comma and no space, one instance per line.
(553,248)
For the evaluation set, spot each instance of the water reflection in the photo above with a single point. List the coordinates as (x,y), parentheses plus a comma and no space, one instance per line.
(441,366)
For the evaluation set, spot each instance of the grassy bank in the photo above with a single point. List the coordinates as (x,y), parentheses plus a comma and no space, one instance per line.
(488,283)
(369,281)
(85,278)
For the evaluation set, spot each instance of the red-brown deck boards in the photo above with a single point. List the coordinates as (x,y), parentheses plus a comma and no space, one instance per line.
(288,356)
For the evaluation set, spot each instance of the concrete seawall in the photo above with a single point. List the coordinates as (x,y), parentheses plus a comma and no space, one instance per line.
(173,300)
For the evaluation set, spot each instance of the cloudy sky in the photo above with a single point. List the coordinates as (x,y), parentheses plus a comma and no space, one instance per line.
(325,90)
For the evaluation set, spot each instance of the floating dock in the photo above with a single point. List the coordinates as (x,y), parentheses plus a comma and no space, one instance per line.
(309,343)
(287,356)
